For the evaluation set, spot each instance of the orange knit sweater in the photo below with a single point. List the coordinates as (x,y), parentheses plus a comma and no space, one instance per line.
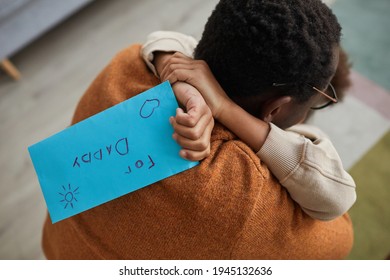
(228,207)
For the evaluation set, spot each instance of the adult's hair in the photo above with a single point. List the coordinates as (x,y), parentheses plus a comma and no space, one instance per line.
(251,44)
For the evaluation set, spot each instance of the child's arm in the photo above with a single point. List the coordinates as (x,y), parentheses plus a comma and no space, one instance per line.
(309,169)
(307,164)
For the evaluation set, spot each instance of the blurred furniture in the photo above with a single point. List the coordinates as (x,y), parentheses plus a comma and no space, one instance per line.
(22,21)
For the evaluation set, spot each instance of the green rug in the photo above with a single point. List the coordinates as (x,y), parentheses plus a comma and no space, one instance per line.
(371,212)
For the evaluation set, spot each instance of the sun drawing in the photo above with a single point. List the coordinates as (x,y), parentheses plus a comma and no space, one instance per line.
(69,196)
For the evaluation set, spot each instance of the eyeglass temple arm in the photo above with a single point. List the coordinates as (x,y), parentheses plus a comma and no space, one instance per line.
(324,94)
(313,87)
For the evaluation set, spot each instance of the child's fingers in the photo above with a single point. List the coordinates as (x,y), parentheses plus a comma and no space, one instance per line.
(182,68)
(173,66)
(196,109)
(194,155)
(181,75)
(195,149)
(201,144)
(180,55)
(185,119)
(191,132)
(175,61)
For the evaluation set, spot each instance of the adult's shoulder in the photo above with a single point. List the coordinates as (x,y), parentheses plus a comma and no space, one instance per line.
(273,225)
(125,76)
(278,228)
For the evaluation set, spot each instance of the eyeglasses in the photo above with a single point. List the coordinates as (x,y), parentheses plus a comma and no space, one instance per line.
(329,96)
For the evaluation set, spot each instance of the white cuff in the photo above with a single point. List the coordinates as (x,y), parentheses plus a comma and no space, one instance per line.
(282,152)
(167,41)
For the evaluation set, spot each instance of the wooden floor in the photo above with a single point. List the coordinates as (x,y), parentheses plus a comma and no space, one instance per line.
(56,69)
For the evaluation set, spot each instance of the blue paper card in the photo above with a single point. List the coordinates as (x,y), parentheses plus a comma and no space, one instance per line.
(108,155)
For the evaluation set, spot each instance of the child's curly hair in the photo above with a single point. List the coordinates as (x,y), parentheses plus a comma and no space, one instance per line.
(251,44)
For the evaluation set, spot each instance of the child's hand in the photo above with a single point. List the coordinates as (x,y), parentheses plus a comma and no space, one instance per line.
(192,126)
(178,67)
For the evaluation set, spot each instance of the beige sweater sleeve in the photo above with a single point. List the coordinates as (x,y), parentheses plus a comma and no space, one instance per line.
(306,163)
(310,170)
(167,41)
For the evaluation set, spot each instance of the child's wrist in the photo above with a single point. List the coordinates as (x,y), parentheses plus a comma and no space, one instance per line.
(225,105)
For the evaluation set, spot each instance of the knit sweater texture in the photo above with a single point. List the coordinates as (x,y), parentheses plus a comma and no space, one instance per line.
(228,207)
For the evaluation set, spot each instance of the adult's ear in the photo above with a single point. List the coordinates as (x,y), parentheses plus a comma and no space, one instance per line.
(273,107)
